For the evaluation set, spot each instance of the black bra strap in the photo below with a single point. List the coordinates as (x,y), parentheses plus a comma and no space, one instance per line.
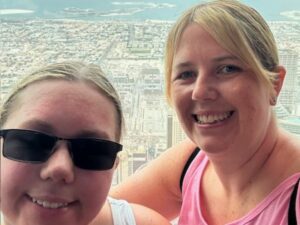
(186,166)
(292,220)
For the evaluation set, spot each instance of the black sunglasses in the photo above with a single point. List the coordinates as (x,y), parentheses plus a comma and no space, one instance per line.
(36,147)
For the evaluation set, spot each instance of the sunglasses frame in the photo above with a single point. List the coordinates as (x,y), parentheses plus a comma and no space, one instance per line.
(77,160)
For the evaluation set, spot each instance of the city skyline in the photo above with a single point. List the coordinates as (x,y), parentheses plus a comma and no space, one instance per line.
(131,53)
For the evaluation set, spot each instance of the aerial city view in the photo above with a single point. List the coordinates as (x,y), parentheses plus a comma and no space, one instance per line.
(127,40)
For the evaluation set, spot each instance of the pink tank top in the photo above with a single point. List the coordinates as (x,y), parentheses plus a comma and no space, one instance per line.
(273,210)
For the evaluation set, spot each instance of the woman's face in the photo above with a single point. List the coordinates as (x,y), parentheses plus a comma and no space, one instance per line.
(63,193)
(217,98)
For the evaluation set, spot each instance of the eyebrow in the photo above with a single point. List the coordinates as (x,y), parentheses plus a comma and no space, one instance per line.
(217,59)
(226,57)
(183,65)
(43,126)
(93,134)
(38,125)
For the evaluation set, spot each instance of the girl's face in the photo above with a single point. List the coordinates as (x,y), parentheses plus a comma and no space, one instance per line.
(217,98)
(57,192)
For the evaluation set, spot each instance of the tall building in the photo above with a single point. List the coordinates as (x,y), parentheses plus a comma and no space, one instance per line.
(287,97)
(175,131)
(1,93)
(169,130)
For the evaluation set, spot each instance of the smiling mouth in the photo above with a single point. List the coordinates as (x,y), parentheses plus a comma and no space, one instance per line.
(212,118)
(49,205)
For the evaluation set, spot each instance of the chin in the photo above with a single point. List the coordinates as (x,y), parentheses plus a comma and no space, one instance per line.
(210,146)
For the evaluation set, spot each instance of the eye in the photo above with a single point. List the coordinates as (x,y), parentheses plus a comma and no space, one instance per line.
(186,75)
(229,69)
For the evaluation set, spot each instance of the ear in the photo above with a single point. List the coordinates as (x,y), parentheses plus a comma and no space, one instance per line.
(1,144)
(279,81)
(116,162)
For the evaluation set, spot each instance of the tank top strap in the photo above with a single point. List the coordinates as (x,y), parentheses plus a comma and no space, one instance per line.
(292,220)
(122,212)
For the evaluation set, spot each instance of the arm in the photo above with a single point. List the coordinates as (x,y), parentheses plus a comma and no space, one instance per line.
(147,216)
(157,185)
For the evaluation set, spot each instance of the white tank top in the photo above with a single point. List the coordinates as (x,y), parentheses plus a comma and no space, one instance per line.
(121,212)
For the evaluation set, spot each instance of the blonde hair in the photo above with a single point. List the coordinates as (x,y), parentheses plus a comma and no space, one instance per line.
(71,71)
(238,28)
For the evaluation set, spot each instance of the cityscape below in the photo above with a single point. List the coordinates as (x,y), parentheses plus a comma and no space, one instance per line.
(131,53)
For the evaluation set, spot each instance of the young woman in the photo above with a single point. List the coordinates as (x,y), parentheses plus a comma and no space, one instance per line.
(223,78)
(60,134)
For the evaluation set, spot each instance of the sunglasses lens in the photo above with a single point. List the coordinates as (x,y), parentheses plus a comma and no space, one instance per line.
(94,154)
(27,146)
(35,147)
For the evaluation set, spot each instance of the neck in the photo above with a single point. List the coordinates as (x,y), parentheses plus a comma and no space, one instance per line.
(237,169)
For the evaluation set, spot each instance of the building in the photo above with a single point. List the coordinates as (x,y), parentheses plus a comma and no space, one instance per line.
(288,94)
(175,131)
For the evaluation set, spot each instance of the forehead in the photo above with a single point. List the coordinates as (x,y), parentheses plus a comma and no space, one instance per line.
(195,34)
(196,43)
(67,107)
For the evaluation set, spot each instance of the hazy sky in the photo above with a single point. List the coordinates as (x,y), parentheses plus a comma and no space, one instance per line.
(269,9)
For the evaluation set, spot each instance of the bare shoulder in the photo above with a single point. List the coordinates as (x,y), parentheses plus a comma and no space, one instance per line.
(160,178)
(291,145)
(295,145)
(292,141)
(171,163)
(147,216)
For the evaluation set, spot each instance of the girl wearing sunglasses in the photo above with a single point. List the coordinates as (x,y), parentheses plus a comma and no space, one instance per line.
(60,133)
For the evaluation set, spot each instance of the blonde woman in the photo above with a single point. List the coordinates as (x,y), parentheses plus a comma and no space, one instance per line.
(223,79)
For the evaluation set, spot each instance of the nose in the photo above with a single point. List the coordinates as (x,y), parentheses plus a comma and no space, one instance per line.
(205,88)
(59,167)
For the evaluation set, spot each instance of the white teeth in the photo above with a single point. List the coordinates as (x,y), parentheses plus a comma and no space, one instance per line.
(212,118)
(50,205)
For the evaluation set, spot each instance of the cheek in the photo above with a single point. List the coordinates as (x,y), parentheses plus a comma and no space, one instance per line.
(14,173)
(94,188)
(253,104)
(180,99)
(15,179)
